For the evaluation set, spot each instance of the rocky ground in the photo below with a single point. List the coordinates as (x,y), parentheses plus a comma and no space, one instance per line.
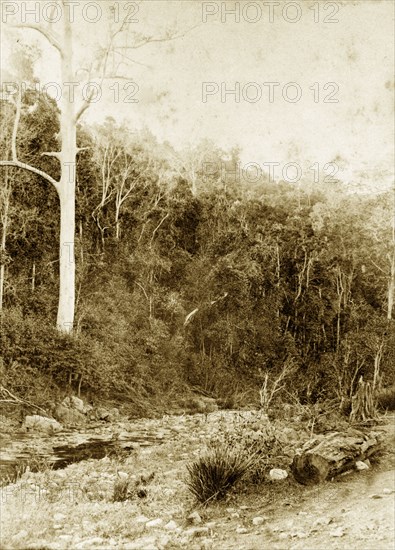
(74,507)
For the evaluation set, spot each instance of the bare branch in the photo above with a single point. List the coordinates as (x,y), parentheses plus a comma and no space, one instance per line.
(47,34)
(158,226)
(151,39)
(44,175)
(16,125)
(83,107)
(15,162)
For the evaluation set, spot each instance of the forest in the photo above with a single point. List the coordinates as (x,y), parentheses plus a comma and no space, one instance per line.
(189,278)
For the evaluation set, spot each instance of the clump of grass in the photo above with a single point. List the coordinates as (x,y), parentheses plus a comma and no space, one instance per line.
(121,490)
(215,473)
(35,463)
(126,489)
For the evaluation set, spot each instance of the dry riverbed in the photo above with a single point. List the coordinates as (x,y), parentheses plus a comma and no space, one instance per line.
(73,507)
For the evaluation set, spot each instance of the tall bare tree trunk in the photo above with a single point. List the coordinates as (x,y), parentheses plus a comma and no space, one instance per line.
(5,205)
(67,184)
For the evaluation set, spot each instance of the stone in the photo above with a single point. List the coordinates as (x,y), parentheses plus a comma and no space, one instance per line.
(89,543)
(360,465)
(171,525)
(42,424)
(76,403)
(69,416)
(258,520)
(197,531)
(21,535)
(277,474)
(241,531)
(103,414)
(338,532)
(59,517)
(387,491)
(194,518)
(324,520)
(142,519)
(154,523)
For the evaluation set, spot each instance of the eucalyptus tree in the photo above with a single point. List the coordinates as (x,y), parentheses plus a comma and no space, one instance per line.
(58,33)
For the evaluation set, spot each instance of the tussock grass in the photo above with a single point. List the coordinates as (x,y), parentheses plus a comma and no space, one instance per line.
(214,474)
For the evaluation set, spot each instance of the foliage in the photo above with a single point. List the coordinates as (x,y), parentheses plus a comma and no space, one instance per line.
(386,399)
(187,279)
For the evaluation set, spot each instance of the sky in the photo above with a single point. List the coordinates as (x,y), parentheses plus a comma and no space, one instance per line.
(314,81)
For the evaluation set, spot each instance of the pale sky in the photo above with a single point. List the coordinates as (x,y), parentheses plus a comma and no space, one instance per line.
(355,54)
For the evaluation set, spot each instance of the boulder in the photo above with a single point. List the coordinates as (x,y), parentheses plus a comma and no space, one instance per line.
(70,417)
(71,411)
(42,424)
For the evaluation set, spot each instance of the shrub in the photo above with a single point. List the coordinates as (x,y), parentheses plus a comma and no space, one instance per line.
(386,399)
(214,474)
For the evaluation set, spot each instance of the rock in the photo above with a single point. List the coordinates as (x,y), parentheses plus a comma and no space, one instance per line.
(142,519)
(171,525)
(21,535)
(103,414)
(338,532)
(42,424)
(76,403)
(59,517)
(387,491)
(241,531)
(69,416)
(258,520)
(194,518)
(197,531)
(89,543)
(276,474)
(325,520)
(360,465)
(154,523)
(376,496)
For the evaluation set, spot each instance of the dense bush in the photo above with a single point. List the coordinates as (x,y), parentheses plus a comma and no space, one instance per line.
(214,290)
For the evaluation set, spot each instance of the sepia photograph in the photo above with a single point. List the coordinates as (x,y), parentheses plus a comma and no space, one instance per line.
(197,275)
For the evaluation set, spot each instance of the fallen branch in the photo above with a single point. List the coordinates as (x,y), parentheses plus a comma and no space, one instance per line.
(327,456)
(17,400)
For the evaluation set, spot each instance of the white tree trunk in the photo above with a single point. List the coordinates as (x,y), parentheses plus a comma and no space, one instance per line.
(67,184)
(391,288)
(65,318)
(5,204)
